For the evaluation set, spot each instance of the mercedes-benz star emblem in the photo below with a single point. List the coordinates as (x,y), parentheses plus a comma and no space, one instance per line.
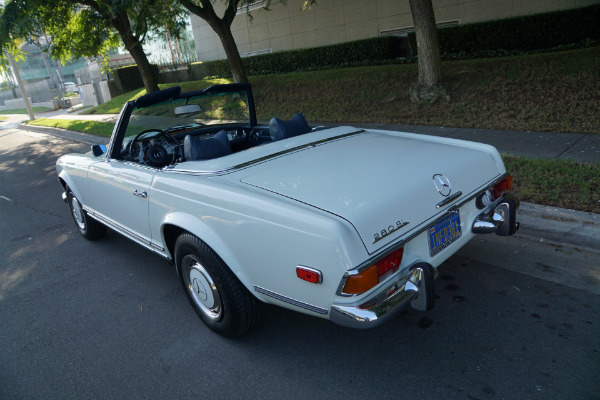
(442,184)
(199,289)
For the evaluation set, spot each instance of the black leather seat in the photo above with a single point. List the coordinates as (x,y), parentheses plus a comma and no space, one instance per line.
(196,148)
(295,126)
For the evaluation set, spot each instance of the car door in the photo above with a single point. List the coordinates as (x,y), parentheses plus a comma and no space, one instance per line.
(118,191)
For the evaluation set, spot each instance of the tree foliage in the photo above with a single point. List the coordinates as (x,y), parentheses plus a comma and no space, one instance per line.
(87,28)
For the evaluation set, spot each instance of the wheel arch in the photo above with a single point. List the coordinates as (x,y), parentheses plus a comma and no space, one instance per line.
(178,223)
(67,183)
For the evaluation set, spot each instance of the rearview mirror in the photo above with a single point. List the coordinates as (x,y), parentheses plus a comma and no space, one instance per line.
(187,109)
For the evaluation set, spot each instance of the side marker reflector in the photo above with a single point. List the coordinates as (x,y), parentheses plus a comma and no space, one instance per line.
(309,274)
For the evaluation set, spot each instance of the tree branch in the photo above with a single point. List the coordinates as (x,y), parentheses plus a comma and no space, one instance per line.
(196,9)
(91,4)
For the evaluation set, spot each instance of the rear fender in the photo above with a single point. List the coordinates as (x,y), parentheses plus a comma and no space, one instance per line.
(194,225)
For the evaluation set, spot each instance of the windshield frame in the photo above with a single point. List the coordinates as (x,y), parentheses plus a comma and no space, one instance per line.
(172,94)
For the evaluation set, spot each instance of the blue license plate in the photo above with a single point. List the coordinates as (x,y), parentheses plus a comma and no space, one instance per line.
(443,233)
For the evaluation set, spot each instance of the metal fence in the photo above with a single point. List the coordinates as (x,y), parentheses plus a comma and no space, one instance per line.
(39,92)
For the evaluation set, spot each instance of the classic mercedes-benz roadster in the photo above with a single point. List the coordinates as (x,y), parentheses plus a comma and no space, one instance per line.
(341,223)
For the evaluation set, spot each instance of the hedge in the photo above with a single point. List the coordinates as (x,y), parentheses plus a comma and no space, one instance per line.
(519,34)
(129,78)
(357,52)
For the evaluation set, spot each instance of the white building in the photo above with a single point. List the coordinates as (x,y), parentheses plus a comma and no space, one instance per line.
(287,27)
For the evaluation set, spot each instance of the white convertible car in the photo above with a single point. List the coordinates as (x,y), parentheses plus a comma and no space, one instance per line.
(341,223)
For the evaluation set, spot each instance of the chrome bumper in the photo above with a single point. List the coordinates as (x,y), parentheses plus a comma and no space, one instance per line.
(414,288)
(501,220)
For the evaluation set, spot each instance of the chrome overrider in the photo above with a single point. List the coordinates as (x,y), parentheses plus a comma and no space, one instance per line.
(415,287)
(499,218)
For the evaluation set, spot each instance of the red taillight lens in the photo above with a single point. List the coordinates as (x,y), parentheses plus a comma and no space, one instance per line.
(502,187)
(370,277)
(390,263)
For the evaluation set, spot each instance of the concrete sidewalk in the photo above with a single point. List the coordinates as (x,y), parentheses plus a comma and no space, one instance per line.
(547,145)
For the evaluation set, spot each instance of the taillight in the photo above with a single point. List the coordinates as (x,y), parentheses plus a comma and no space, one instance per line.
(502,187)
(493,194)
(371,276)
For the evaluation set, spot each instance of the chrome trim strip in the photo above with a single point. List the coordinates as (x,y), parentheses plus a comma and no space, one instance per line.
(149,244)
(425,225)
(291,301)
(261,159)
(477,193)
(448,200)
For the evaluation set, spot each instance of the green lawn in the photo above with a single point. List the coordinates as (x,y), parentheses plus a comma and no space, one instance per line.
(560,183)
(24,110)
(95,127)
(114,105)
(551,92)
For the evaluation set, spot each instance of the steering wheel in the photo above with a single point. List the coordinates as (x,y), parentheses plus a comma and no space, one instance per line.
(156,155)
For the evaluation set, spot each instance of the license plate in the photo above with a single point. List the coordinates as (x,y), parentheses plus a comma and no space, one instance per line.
(443,233)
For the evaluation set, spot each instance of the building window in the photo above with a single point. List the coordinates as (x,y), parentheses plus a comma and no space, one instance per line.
(255,5)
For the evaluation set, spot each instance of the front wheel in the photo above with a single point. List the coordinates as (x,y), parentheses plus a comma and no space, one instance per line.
(218,297)
(88,227)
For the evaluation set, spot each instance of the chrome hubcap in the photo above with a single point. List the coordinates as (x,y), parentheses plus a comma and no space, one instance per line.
(202,288)
(77,213)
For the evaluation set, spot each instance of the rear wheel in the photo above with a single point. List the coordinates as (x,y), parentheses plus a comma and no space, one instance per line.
(88,227)
(218,297)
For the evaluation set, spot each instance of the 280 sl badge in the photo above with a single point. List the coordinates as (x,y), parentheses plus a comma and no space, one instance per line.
(389,230)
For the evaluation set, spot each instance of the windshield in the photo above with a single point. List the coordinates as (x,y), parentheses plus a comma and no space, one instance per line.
(188,113)
(167,126)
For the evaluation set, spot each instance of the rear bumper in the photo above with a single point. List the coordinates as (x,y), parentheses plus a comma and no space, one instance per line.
(414,288)
(501,219)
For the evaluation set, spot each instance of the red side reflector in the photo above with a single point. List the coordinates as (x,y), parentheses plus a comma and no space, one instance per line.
(309,274)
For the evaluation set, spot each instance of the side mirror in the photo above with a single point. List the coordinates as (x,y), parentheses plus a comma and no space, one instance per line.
(98,149)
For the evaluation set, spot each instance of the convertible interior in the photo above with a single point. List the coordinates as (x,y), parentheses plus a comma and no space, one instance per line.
(168,127)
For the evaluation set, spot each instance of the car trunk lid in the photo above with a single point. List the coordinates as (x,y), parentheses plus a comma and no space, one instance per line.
(377,180)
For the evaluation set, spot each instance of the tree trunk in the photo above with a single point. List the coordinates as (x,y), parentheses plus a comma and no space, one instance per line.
(170,45)
(137,52)
(121,23)
(179,56)
(222,27)
(15,69)
(428,48)
(231,51)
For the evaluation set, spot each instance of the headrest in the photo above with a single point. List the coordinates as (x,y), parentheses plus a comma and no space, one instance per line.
(295,126)
(195,148)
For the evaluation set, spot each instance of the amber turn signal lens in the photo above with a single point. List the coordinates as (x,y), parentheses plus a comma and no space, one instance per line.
(361,282)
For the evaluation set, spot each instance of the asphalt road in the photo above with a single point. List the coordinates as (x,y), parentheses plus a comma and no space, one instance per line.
(108,320)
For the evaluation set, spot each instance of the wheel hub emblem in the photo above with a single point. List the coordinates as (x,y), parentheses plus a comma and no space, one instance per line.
(199,289)
(442,184)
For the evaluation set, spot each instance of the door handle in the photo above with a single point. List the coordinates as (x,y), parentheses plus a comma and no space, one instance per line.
(140,194)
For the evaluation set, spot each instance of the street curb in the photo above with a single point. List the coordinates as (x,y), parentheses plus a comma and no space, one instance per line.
(559,225)
(87,138)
